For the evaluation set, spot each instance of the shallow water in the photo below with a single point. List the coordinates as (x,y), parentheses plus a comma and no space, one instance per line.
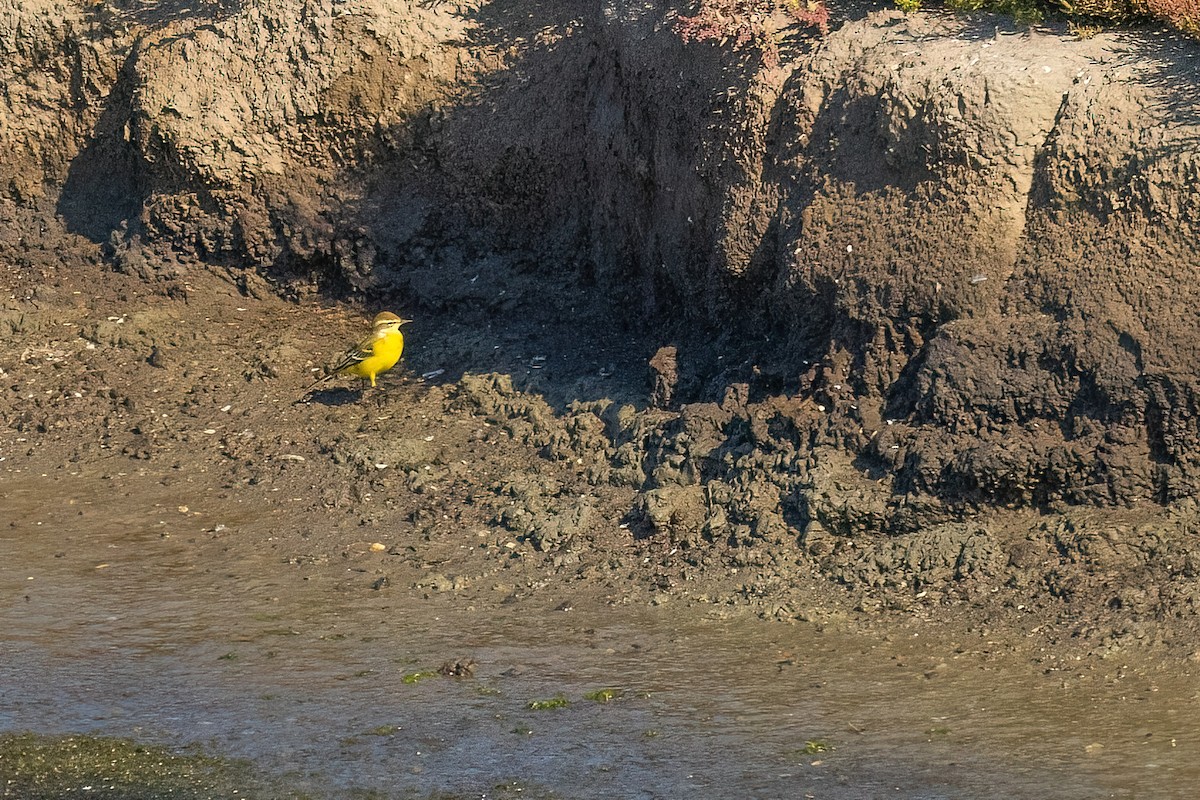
(109,627)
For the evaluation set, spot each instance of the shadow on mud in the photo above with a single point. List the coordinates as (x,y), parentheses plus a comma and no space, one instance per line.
(334,396)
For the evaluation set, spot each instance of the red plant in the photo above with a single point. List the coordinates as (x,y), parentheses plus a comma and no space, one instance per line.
(1183,14)
(751,23)
(813,14)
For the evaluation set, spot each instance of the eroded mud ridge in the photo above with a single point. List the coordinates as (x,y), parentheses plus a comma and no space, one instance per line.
(908,319)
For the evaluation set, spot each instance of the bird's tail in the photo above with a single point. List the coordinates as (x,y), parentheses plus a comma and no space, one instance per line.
(320,380)
(308,390)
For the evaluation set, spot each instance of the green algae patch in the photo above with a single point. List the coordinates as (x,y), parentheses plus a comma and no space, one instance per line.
(603,695)
(413,677)
(546,705)
(382,730)
(39,767)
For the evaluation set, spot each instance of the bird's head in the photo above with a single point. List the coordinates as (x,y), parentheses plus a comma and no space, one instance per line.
(386,319)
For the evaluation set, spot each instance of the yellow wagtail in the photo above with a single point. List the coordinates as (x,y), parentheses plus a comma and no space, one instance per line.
(377,353)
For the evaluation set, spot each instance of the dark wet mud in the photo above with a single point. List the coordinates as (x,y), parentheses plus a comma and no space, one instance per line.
(328,686)
(699,707)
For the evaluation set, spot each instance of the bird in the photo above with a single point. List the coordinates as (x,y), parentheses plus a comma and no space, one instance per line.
(376,353)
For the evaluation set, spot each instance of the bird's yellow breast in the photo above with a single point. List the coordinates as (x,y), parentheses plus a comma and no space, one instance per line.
(386,348)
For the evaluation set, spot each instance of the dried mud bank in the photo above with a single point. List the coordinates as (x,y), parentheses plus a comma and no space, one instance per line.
(904,322)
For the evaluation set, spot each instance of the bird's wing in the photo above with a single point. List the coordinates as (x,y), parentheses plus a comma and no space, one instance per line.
(360,352)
